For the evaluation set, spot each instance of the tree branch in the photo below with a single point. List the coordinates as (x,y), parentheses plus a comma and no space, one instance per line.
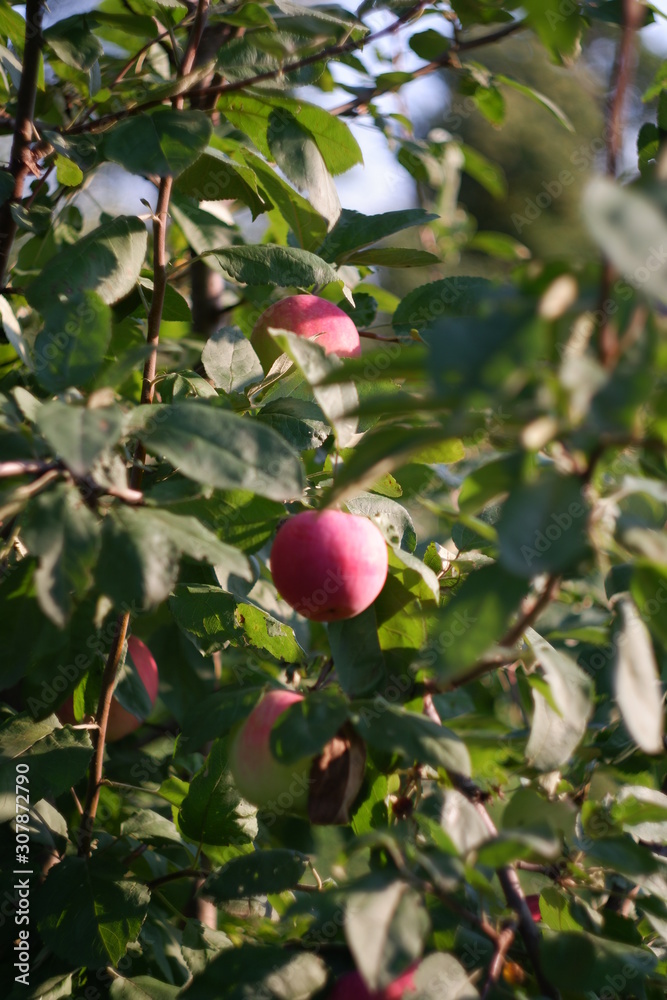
(102,715)
(160,261)
(505,941)
(507,876)
(622,73)
(342,48)
(21,161)
(447,59)
(510,638)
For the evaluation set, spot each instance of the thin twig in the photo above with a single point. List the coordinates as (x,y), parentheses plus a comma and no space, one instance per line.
(369,335)
(509,883)
(505,941)
(102,716)
(535,610)
(502,659)
(622,73)
(160,261)
(24,467)
(21,161)
(342,48)
(447,59)
(173,876)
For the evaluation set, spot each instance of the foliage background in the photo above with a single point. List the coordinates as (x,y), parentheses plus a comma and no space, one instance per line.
(505,428)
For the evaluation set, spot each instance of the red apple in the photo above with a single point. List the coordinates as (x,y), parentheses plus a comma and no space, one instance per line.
(307,316)
(321,787)
(353,987)
(329,565)
(257,774)
(121,722)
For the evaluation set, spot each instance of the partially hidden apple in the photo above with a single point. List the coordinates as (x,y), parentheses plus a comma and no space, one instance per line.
(329,565)
(321,788)
(121,722)
(306,316)
(353,987)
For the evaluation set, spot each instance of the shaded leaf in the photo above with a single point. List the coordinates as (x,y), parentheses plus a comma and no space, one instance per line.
(219,448)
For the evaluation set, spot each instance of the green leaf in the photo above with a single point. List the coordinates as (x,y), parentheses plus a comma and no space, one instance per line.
(441,968)
(215,177)
(203,230)
(212,812)
(62,532)
(219,713)
(539,98)
(356,651)
(392,518)
(230,360)
(73,41)
(107,261)
(392,257)
(484,171)
(414,575)
(637,685)
(162,141)
(79,435)
(269,264)
(239,968)
(57,758)
(88,913)
(71,348)
(383,450)
(54,988)
(300,421)
(256,874)
(219,448)
(489,482)
(578,962)
(543,526)
(151,828)
(68,173)
(499,245)
(559,29)
(308,226)
(423,307)
(335,401)
(416,738)
(648,583)
(631,229)
(142,988)
(296,154)
(558,728)
(304,729)
(141,551)
(386,931)
(476,616)
(353,231)
(429,44)
(215,618)
(648,145)
(250,111)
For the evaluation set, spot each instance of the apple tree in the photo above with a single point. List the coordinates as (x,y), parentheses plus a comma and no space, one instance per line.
(334,636)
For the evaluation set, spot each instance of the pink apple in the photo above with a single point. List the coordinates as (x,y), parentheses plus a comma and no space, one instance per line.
(321,788)
(329,565)
(307,316)
(121,722)
(258,776)
(353,987)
